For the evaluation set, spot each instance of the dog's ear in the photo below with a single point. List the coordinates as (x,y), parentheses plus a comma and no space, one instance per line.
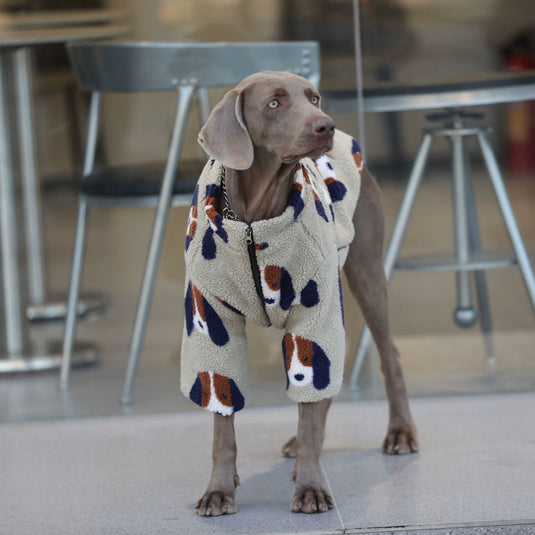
(225,136)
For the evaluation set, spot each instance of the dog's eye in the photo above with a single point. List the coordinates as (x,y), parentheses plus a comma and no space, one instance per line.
(315,100)
(273,104)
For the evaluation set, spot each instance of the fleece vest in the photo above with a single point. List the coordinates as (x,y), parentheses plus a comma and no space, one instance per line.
(282,272)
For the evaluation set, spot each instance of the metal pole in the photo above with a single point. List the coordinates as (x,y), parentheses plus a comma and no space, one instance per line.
(30,182)
(79,243)
(479,275)
(203,101)
(464,314)
(8,226)
(153,256)
(407,204)
(360,83)
(509,217)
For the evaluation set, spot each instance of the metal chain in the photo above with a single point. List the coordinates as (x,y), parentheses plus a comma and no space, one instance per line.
(228,213)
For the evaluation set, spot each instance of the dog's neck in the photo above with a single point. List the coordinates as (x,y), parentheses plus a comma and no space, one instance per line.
(260,192)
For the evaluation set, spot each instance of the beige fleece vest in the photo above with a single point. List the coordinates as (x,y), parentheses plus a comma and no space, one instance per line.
(283,271)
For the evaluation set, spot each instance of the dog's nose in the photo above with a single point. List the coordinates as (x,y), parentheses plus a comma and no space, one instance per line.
(323,127)
(299,376)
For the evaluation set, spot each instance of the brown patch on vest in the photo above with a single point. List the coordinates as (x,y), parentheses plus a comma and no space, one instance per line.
(272,276)
(222,390)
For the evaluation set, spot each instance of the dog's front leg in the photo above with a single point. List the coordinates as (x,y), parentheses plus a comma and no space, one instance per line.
(219,498)
(310,495)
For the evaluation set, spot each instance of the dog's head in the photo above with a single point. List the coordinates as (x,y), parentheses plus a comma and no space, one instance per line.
(274,113)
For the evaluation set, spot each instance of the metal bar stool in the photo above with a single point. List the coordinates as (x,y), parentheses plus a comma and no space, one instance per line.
(187,70)
(468,256)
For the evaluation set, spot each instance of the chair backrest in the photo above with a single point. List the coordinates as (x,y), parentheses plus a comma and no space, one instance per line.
(158,66)
(184,68)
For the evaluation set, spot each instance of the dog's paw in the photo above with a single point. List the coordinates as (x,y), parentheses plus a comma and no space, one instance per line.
(400,441)
(290,448)
(311,500)
(217,503)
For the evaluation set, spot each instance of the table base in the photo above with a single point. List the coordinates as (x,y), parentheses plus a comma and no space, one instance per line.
(84,354)
(55,311)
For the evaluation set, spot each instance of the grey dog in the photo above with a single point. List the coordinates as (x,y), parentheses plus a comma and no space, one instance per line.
(263,133)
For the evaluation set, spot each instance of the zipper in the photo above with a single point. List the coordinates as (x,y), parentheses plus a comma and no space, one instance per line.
(251,249)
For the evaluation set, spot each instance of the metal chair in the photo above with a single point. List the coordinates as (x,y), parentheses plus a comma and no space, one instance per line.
(468,256)
(186,69)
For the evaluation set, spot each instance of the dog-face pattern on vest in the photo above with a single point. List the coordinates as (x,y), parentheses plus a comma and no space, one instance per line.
(201,316)
(216,393)
(306,363)
(278,289)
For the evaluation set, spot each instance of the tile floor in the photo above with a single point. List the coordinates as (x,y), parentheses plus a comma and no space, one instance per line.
(117,492)
(142,475)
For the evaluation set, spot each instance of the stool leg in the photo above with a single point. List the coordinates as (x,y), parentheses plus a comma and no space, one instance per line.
(79,244)
(74,294)
(394,247)
(464,315)
(479,275)
(203,101)
(508,216)
(155,245)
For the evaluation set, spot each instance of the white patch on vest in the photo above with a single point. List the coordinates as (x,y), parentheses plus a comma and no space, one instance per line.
(324,192)
(271,297)
(326,170)
(198,322)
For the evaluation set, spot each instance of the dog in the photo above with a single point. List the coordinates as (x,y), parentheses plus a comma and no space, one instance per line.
(284,204)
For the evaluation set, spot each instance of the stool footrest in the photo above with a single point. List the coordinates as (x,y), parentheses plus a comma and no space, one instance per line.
(448,262)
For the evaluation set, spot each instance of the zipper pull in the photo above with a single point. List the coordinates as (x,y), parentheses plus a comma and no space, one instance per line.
(249,235)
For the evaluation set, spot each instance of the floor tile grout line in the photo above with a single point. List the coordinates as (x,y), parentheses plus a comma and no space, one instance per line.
(442,529)
(329,488)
